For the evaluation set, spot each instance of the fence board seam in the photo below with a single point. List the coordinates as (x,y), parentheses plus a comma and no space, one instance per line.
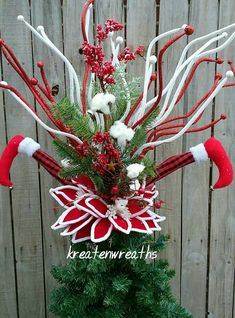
(182,176)
(10,199)
(63,43)
(39,176)
(210,195)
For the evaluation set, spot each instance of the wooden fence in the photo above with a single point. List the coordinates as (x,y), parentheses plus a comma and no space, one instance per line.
(201,223)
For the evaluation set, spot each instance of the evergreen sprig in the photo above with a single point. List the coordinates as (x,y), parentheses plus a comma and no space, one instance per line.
(72,117)
(66,151)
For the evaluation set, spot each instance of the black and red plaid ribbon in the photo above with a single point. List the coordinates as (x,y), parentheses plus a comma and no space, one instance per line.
(50,164)
(165,168)
(172,164)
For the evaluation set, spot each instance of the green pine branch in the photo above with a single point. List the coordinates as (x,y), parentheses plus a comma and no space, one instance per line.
(72,117)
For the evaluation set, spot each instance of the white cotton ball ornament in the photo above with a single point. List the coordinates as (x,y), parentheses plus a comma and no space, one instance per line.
(102,102)
(122,133)
(134,170)
(135,185)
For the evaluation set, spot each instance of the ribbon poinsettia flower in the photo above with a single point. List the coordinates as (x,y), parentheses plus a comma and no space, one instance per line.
(89,217)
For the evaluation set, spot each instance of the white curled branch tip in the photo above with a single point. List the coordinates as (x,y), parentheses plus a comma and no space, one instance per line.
(149,61)
(73,78)
(182,64)
(128,95)
(201,38)
(229,74)
(141,110)
(192,59)
(115,48)
(178,71)
(87,21)
(166,110)
(38,120)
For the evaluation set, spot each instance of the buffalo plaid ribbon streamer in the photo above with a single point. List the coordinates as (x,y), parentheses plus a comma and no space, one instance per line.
(172,164)
(50,164)
(166,167)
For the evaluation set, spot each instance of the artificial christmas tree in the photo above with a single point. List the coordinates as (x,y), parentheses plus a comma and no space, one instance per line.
(107,126)
(116,288)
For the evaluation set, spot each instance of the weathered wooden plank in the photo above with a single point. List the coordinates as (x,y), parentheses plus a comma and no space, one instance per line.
(172,15)
(233,314)
(108,9)
(72,33)
(25,196)
(222,257)
(55,247)
(195,193)
(141,28)
(8,303)
(203,15)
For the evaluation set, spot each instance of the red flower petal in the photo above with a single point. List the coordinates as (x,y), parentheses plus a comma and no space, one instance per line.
(82,205)
(57,225)
(85,181)
(121,224)
(73,228)
(139,226)
(64,195)
(135,207)
(83,234)
(97,206)
(147,215)
(101,230)
(72,215)
(153,225)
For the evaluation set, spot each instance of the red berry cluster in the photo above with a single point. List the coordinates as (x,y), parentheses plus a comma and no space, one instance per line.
(83,149)
(109,26)
(99,165)
(95,59)
(94,55)
(99,137)
(111,152)
(128,55)
(139,50)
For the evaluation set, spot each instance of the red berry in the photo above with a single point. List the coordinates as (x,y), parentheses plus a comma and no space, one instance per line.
(141,156)
(220,61)
(114,190)
(218,76)
(158,205)
(153,77)
(34,81)
(40,64)
(189,30)
(141,191)
(223,116)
